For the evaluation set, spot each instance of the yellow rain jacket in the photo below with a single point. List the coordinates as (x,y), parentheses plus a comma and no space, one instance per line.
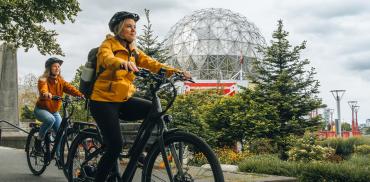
(113,83)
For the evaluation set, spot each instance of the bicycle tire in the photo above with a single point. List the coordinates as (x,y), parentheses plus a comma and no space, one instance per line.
(154,166)
(64,147)
(74,152)
(66,143)
(31,153)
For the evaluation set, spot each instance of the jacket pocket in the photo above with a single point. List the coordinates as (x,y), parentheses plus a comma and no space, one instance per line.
(103,85)
(130,76)
(120,89)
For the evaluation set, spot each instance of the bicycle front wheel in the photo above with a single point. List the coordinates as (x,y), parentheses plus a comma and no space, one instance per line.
(189,159)
(65,144)
(82,148)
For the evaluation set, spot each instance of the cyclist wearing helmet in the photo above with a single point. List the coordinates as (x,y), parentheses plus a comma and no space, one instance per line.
(46,110)
(111,98)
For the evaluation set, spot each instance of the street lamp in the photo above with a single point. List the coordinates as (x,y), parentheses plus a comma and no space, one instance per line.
(338,94)
(352,105)
(331,118)
(356,111)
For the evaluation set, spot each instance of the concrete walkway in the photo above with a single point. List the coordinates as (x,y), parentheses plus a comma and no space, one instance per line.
(16,161)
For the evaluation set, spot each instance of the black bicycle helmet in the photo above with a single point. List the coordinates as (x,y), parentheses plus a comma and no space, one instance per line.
(119,16)
(51,61)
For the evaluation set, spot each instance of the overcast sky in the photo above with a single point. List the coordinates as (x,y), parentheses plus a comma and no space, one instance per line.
(336,31)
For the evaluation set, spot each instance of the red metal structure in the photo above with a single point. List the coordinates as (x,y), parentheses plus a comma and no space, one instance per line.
(229,88)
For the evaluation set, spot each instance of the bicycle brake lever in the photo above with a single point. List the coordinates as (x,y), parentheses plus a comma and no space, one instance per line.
(190,80)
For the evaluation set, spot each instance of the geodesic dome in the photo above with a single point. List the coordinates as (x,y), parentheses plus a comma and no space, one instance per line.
(212,44)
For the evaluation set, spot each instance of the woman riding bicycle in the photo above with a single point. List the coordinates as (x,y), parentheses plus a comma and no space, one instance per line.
(111,98)
(51,83)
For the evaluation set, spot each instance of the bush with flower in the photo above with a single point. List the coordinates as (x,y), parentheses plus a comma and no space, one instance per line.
(306,150)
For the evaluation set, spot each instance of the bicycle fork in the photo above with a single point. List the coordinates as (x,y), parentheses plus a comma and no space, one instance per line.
(175,158)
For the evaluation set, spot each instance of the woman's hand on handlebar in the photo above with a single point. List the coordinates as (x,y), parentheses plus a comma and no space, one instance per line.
(187,75)
(184,76)
(56,97)
(47,95)
(78,98)
(129,66)
(82,97)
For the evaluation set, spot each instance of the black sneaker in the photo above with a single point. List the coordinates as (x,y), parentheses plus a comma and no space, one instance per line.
(38,145)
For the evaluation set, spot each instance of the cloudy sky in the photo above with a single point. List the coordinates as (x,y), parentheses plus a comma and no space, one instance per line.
(337,34)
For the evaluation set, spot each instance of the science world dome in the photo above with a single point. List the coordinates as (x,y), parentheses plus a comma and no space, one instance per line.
(214,44)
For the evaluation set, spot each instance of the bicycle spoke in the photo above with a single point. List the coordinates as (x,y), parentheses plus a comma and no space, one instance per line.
(83,170)
(35,160)
(190,160)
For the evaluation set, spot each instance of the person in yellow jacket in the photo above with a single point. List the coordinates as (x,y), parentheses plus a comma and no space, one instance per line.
(111,97)
(46,110)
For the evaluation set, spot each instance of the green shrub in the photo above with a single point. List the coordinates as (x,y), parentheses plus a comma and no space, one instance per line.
(359,160)
(307,153)
(267,164)
(362,149)
(343,147)
(309,171)
(305,150)
(334,158)
(261,146)
(27,113)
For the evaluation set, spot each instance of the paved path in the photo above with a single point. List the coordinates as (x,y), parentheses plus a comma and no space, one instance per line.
(14,168)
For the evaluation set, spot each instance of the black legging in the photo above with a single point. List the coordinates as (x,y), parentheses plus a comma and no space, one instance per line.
(106,115)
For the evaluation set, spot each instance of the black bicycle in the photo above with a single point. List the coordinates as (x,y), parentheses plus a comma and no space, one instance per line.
(39,160)
(175,155)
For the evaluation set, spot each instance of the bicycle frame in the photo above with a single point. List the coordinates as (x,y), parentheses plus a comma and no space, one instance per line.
(140,141)
(143,136)
(155,116)
(61,130)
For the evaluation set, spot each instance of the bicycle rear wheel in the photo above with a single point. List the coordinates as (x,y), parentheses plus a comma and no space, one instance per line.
(37,161)
(189,157)
(81,149)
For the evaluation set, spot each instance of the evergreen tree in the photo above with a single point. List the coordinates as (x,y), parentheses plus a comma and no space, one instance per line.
(80,113)
(149,43)
(283,82)
(76,79)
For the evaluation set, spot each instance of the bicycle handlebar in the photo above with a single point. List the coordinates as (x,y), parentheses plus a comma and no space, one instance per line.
(160,76)
(161,80)
(67,100)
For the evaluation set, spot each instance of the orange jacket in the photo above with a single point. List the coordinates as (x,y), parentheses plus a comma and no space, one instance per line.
(55,86)
(115,84)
